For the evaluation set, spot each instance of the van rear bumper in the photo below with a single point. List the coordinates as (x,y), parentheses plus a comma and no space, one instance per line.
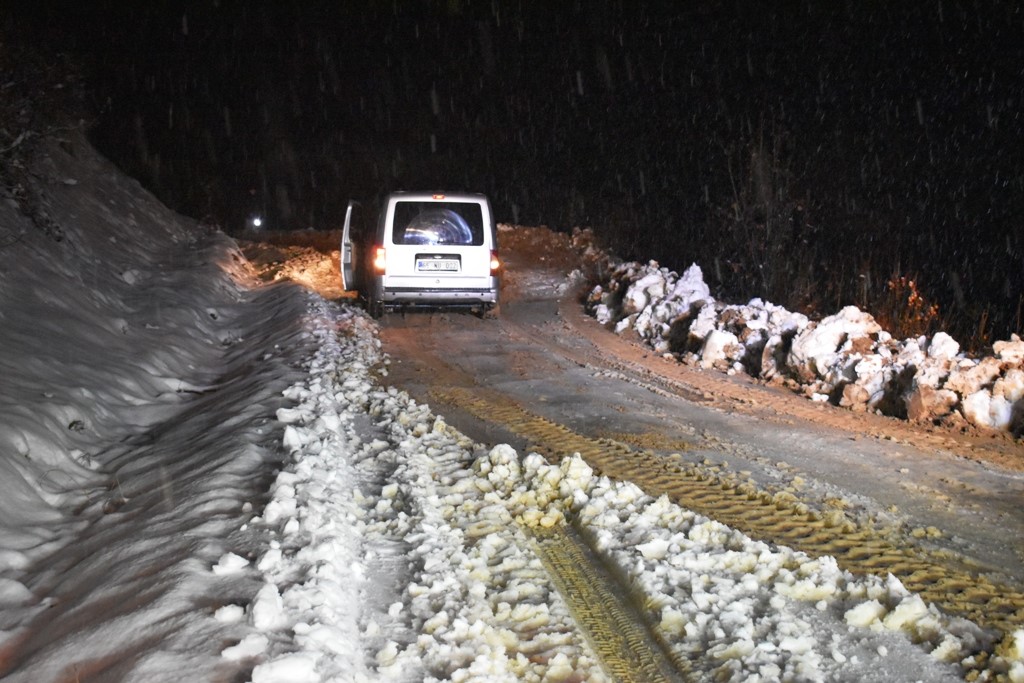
(438,297)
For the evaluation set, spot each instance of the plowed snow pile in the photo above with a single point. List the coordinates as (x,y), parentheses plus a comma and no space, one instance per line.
(845,358)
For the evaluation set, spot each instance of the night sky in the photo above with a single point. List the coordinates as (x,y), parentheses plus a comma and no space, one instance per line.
(802,151)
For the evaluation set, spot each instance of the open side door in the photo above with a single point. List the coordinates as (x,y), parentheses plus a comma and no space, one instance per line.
(351,237)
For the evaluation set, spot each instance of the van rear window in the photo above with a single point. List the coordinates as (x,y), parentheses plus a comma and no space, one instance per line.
(437,223)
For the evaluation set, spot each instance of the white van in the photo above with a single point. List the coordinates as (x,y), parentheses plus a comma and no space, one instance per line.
(428,249)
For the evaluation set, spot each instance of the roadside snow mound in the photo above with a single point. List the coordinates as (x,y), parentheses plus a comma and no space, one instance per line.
(379,489)
(138,371)
(101,331)
(846,359)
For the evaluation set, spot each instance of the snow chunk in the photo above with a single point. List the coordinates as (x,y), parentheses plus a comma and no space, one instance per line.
(1011,651)
(865,614)
(268,609)
(291,415)
(910,610)
(649,287)
(969,376)
(719,347)
(943,347)
(1010,351)
(1010,386)
(295,438)
(816,349)
(690,288)
(229,614)
(985,410)
(654,549)
(298,667)
(230,563)
(252,645)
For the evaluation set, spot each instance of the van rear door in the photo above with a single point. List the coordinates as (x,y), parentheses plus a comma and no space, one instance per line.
(352,245)
(437,243)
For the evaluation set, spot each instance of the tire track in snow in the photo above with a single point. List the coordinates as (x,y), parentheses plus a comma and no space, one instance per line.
(938,578)
(617,632)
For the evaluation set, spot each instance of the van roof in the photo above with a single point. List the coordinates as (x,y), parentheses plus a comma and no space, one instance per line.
(438,196)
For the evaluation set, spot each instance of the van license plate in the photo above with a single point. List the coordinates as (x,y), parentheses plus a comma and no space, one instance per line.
(446,265)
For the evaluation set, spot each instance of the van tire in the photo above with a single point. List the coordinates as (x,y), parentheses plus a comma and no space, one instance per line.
(374,307)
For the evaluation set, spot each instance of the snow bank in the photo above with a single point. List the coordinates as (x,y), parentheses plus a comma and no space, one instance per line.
(102,333)
(138,371)
(845,358)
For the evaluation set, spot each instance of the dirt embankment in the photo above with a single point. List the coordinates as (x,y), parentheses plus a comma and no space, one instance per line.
(307,257)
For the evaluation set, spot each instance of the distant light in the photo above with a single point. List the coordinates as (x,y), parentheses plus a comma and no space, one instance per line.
(438,196)
(257,222)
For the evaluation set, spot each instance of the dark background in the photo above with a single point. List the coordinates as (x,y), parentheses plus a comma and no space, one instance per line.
(814,153)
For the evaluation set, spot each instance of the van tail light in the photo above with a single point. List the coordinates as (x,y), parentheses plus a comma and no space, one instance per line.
(379,260)
(495,263)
